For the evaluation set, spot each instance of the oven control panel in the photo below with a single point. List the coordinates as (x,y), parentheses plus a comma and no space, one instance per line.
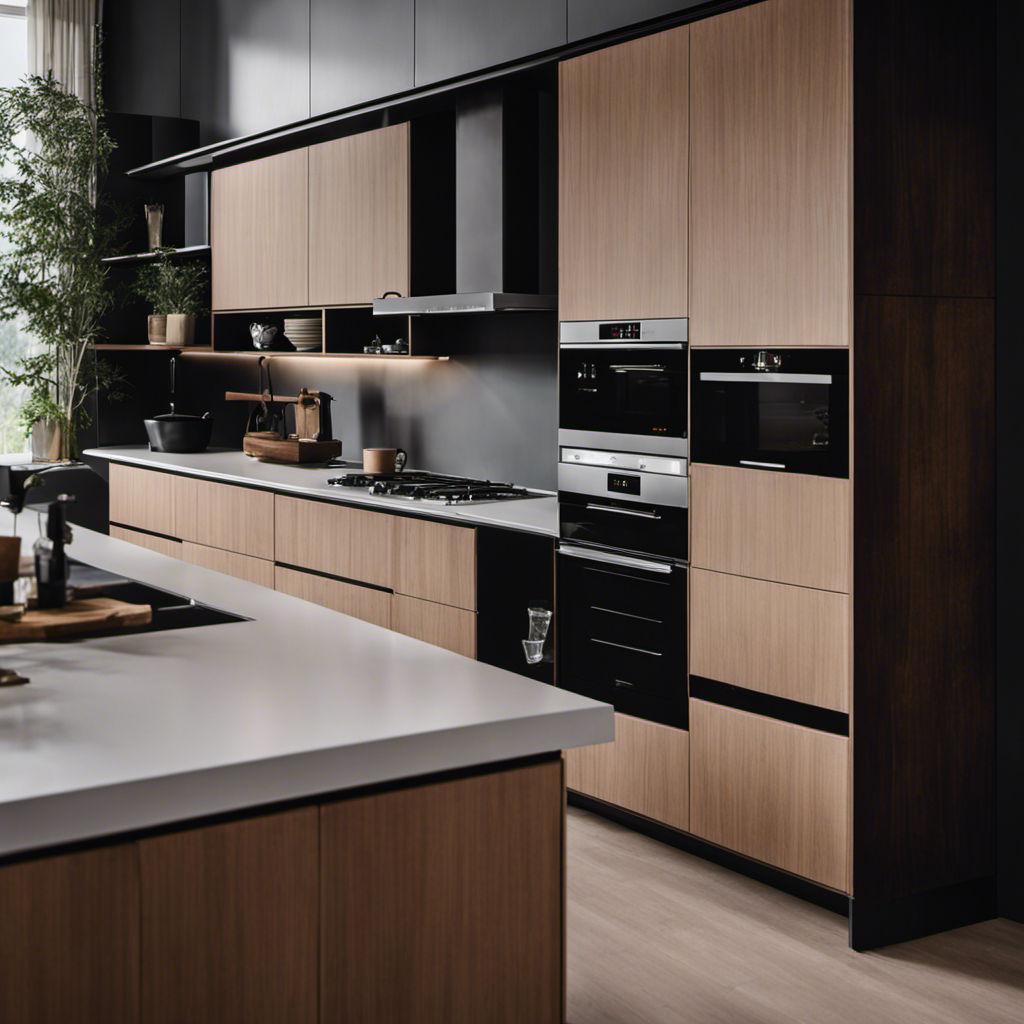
(619,332)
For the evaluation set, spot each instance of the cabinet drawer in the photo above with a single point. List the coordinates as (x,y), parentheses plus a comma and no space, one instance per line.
(770,790)
(791,642)
(454,629)
(646,770)
(334,539)
(224,516)
(161,545)
(144,499)
(435,562)
(244,567)
(360,602)
(772,526)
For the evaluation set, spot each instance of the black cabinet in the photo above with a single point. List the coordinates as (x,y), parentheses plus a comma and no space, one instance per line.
(592,17)
(359,50)
(140,57)
(244,65)
(454,37)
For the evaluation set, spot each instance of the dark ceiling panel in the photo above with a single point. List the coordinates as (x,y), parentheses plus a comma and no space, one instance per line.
(454,37)
(359,50)
(592,17)
(244,65)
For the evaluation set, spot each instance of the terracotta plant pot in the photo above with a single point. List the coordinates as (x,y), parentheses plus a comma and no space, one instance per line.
(158,329)
(180,329)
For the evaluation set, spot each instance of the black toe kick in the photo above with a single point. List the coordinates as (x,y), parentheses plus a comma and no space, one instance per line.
(875,924)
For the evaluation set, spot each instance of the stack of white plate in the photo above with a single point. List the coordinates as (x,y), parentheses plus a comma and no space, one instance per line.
(304,333)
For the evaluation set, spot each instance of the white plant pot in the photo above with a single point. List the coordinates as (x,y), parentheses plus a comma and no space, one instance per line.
(181,329)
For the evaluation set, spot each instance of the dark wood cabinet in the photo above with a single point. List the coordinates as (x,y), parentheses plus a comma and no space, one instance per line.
(454,37)
(358,50)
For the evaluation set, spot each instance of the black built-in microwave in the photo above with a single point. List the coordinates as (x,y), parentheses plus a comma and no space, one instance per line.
(786,410)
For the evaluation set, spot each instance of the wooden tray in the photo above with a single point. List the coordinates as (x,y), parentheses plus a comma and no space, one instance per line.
(91,615)
(290,451)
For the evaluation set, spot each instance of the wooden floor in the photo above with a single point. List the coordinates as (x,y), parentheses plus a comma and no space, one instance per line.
(657,935)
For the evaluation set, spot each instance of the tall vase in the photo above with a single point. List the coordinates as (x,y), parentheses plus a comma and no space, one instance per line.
(155,225)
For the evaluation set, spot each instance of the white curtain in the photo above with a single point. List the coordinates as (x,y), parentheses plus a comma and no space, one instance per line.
(61,38)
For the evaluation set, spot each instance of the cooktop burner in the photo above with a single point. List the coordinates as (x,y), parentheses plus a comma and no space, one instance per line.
(418,486)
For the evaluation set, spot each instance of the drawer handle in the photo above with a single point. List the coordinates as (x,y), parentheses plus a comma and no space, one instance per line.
(621,511)
(628,615)
(626,647)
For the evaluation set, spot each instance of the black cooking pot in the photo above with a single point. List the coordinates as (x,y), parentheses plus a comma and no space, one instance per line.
(178,432)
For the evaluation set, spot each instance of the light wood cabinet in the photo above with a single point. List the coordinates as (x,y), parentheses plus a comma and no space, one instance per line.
(244,567)
(645,770)
(161,545)
(791,642)
(144,499)
(364,603)
(477,864)
(230,921)
(771,187)
(623,180)
(359,216)
(454,629)
(435,561)
(259,233)
(69,939)
(773,526)
(226,516)
(770,790)
(335,539)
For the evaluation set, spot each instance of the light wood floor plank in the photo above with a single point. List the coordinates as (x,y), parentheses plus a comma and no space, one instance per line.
(657,935)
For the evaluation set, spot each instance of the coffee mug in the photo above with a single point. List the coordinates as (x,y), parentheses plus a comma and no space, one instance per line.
(384,460)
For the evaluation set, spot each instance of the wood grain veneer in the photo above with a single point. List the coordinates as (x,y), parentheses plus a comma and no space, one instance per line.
(161,545)
(443,902)
(69,939)
(226,516)
(646,770)
(435,561)
(924,564)
(771,175)
(454,629)
(359,216)
(259,233)
(143,499)
(244,567)
(792,642)
(770,790)
(334,539)
(229,922)
(360,602)
(783,527)
(623,180)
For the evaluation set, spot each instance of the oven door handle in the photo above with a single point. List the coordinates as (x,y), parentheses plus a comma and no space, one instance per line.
(644,346)
(639,369)
(589,555)
(767,378)
(621,511)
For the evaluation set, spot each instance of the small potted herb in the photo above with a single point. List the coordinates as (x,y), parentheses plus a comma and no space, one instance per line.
(176,290)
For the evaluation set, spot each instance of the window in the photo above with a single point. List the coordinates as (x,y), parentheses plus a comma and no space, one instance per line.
(13,342)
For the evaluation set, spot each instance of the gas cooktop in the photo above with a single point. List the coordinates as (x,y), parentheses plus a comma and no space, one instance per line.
(416,486)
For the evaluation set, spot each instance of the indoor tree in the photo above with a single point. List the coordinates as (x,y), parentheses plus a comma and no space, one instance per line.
(53,152)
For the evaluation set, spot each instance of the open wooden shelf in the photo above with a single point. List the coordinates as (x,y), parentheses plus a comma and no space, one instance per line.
(146,347)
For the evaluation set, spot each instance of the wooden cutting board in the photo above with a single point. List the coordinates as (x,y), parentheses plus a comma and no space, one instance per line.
(289,450)
(91,615)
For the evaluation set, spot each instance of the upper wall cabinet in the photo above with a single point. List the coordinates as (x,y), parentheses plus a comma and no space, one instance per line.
(771,190)
(623,168)
(359,217)
(259,233)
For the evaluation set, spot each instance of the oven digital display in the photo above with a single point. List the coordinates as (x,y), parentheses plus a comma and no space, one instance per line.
(621,484)
(619,332)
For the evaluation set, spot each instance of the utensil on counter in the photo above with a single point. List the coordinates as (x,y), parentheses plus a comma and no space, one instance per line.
(178,432)
(311,442)
(267,417)
(263,335)
(313,415)
(384,460)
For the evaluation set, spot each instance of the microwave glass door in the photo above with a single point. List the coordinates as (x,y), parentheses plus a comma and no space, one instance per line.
(794,417)
(624,391)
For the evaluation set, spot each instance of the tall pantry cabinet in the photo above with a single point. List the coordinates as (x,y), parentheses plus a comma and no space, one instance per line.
(839,194)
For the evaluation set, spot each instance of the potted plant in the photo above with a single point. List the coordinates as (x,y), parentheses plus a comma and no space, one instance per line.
(175,290)
(54,236)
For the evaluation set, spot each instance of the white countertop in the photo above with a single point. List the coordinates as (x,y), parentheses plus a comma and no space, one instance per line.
(124,733)
(533,515)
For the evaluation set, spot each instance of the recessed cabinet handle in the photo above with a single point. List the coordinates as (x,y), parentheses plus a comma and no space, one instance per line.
(621,511)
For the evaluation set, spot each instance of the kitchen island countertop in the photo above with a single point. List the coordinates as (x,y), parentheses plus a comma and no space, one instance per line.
(124,733)
(537,514)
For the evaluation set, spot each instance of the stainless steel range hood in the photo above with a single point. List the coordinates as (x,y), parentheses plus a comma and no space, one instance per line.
(505,209)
